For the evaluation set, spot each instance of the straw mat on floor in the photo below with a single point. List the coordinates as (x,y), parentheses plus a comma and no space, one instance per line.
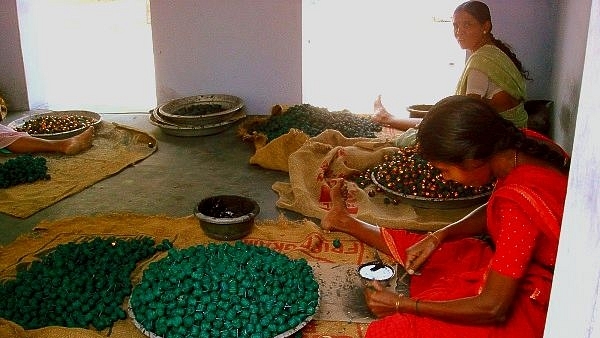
(114,148)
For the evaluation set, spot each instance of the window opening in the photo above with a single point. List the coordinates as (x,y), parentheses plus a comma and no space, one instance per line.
(354,50)
(89,55)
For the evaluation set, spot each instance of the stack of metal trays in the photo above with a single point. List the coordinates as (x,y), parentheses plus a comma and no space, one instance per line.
(198,115)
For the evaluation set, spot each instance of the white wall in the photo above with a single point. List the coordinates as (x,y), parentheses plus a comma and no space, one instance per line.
(12,72)
(568,67)
(529,27)
(250,49)
(574,308)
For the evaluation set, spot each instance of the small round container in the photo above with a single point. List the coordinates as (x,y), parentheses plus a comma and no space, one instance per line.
(376,271)
(226,217)
(418,110)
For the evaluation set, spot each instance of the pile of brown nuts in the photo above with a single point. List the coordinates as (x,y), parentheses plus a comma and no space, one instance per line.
(407,173)
(55,124)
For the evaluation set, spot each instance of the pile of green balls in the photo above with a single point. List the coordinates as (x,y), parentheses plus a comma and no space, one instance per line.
(224,290)
(23,169)
(76,284)
(314,120)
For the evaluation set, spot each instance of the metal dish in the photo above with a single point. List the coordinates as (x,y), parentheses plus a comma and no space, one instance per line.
(285,334)
(177,111)
(376,271)
(418,110)
(435,203)
(178,130)
(62,135)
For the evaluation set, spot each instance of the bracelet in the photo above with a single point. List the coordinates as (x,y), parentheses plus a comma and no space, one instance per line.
(417,307)
(432,234)
(397,304)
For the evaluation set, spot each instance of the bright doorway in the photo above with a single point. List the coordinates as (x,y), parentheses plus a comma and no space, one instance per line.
(354,50)
(88,54)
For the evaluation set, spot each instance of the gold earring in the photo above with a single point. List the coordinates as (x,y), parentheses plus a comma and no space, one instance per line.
(484,32)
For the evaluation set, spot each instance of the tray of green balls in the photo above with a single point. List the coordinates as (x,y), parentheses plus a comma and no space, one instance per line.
(405,177)
(224,290)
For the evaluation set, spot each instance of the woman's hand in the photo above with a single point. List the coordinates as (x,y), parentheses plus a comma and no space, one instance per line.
(419,252)
(338,212)
(381,115)
(383,302)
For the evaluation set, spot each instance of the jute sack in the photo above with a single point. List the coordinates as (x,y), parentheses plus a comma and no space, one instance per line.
(272,154)
(331,155)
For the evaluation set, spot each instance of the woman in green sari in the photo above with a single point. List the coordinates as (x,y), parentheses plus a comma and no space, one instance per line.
(492,72)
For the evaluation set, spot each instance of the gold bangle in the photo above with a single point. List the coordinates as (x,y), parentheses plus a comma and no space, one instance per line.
(435,237)
(417,307)
(397,304)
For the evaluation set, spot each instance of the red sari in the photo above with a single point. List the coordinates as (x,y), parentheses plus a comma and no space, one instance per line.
(523,221)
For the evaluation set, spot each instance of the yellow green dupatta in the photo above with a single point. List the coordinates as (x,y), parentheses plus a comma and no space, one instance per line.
(503,72)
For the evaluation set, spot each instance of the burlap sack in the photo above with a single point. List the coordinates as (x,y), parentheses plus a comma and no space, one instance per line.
(331,155)
(272,154)
(275,154)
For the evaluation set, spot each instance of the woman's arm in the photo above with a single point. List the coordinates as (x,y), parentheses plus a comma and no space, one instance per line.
(489,307)
(472,224)
(481,87)
(500,102)
(338,219)
(516,240)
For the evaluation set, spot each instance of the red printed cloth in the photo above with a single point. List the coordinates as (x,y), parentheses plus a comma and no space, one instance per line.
(9,135)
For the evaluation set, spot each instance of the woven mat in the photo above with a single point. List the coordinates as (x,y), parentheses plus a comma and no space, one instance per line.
(114,148)
(340,308)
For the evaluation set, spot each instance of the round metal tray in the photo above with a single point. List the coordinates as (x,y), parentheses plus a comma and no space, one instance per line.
(62,135)
(230,104)
(287,333)
(418,110)
(189,131)
(435,203)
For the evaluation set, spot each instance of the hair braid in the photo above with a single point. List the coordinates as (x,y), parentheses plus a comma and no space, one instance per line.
(473,130)
(508,51)
(537,148)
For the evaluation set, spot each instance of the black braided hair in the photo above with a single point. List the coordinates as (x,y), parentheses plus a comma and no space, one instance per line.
(460,127)
(481,12)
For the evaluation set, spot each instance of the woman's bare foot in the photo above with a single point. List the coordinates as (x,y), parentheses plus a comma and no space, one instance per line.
(381,114)
(79,143)
(338,212)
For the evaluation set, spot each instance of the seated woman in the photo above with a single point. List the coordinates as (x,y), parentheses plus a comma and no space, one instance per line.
(21,142)
(468,287)
(492,73)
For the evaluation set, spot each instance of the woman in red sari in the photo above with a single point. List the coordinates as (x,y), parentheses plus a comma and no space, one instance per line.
(462,286)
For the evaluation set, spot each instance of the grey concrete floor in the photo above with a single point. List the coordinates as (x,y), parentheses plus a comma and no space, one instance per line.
(169,182)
